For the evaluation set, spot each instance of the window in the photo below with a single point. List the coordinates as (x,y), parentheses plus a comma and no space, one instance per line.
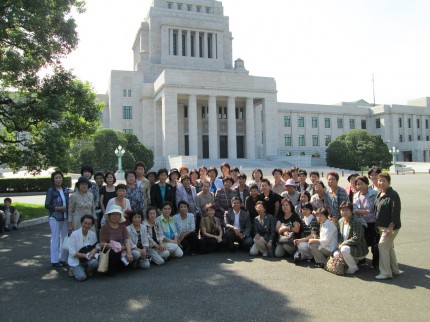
(210,46)
(327,122)
(378,123)
(419,137)
(340,123)
(185,111)
(287,139)
(410,138)
(198,8)
(127,130)
(363,124)
(127,112)
(314,122)
(239,113)
(129,93)
(184,44)
(314,140)
(220,112)
(179,6)
(262,137)
(428,138)
(327,140)
(124,92)
(418,123)
(189,7)
(352,124)
(192,45)
(409,123)
(287,121)
(400,122)
(427,124)
(169,5)
(200,45)
(400,138)
(175,44)
(301,140)
(225,112)
(301,121)
(204,112)
(208,9)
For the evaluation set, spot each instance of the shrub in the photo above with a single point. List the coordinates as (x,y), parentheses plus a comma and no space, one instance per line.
(31,184)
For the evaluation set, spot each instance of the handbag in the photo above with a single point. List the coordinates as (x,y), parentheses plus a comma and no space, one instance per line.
(85,250)
(103,261)
(289,239)
(66,243)
(335,265)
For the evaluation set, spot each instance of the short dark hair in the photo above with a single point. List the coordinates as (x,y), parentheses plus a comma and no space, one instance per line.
(242,175)
(346,204)
(213,169)
(209,205)
(277,170)
(149,209)
(112,174)
(266,181)
(257,170)
(253,186)
(99,174)
(53,174)
(234,169)
(87,168)
(121,186)
(374,169)
(260,203)
(228,178)
(7,199)
(323,211)
(303,171)
(137,213)
(224,164)
(128,172)
(308,205)
(162,170)
(363,179)
(93,221)
(314,173)
(167,203)
(139,164)
(236,198)
(320,183)
(306,193)
(385,175)
(196,172)
(334,174)
(183,202)
(186,177)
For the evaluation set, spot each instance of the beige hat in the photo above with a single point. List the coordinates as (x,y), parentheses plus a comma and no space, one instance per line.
(114,209)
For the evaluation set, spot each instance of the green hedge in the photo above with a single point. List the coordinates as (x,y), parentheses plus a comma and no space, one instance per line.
(31,184)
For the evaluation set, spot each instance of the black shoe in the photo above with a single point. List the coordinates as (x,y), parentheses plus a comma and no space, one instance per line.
(63,263)
(297,258)
(362,262)
(6,229)
(57,265)
(15,228)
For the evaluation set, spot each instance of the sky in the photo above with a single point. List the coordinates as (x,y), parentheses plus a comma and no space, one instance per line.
(319,52)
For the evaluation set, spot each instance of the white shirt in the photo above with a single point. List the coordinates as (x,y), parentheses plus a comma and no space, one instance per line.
(236,219)
(328,236)
(76,241)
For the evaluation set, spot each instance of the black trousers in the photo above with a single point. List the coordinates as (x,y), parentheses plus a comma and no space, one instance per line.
(231,237)
(372,239)
(210,245)
(190,243)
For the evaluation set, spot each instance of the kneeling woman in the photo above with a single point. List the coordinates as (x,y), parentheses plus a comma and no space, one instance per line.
(114,236)
(265,233)
(167,223)
(139,241)
(352,244)
(82,248)
(211,230)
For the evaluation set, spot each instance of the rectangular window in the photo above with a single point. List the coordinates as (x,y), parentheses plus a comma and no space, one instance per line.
(175,44)
(327,140)
(192,45)
(184,44)
(200,45)
(198,8)
(428,138)
(410,138)
(418,123)
(129,93)
(287,139)
(187,144)
(400,122)
(204,112)
(287,121)
(179,6)
(352,124)
(419,137)
(208,9)
(124,92)
(220,112)
(378,123)
(314,140)
(189,7)
(314,122)
(209,45)
(409,123)
(225,112)
(185,111)
(301,121)
(340,123)
(127,130)
(427,124)
(301,140)
(327,122)
(239,113)
(400,138)
(363,124)
(127,112)
(169,5)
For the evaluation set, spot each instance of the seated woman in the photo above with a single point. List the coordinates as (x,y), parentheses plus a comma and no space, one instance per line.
(82,248)
(288,222)
(265,233)
(310,230)
(139,241)
(326,244)
(112,234)
(211,231)
(157,250)
(185,226)
(352,244)
(167,224)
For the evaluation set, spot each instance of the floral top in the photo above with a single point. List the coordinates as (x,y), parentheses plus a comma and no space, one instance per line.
(80,204)
(135,195)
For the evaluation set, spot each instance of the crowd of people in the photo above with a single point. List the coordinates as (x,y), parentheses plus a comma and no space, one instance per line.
(159,215)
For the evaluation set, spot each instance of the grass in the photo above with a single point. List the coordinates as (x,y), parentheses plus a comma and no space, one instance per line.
(30,211)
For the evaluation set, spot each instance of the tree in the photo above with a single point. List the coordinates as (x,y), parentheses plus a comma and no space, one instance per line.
(357,149)
(41,116)
(99,151)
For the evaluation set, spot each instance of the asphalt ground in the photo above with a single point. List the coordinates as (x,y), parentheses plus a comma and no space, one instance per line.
(223,286)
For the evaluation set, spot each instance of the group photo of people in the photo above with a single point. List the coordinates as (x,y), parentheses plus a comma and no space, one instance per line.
(101,226)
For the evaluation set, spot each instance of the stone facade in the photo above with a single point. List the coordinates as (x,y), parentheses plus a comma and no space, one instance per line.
(186,97)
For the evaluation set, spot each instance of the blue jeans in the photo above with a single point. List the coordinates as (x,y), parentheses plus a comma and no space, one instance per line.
(79,271)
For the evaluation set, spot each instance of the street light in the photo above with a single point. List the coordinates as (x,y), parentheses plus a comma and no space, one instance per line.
(394,152)
(119,152)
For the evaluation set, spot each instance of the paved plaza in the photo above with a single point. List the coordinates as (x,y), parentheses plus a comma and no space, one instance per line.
(223,286)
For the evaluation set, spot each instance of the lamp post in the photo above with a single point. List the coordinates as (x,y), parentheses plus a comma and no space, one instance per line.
(394,152)
(119,152)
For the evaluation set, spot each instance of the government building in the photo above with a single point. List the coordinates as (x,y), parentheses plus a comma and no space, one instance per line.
(186,96)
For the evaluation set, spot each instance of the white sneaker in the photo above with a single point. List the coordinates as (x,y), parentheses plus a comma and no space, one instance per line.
(265,253)
(351,271)
(124,261)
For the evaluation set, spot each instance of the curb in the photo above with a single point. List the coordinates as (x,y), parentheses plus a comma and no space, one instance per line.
(32,222)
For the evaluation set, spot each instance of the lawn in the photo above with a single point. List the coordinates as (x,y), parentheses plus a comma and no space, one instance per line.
(30,211)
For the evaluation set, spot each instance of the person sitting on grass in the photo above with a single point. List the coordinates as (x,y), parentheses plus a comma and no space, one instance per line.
(9,215)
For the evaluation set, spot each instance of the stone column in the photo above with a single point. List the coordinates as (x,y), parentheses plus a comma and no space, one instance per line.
(192,125)
(188,53)
(171,41)
(205,45)
(250,129)
(179,42)
(214,46)
(231,127)
(196,44)
(169,115)
(213,128)
(270,127)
